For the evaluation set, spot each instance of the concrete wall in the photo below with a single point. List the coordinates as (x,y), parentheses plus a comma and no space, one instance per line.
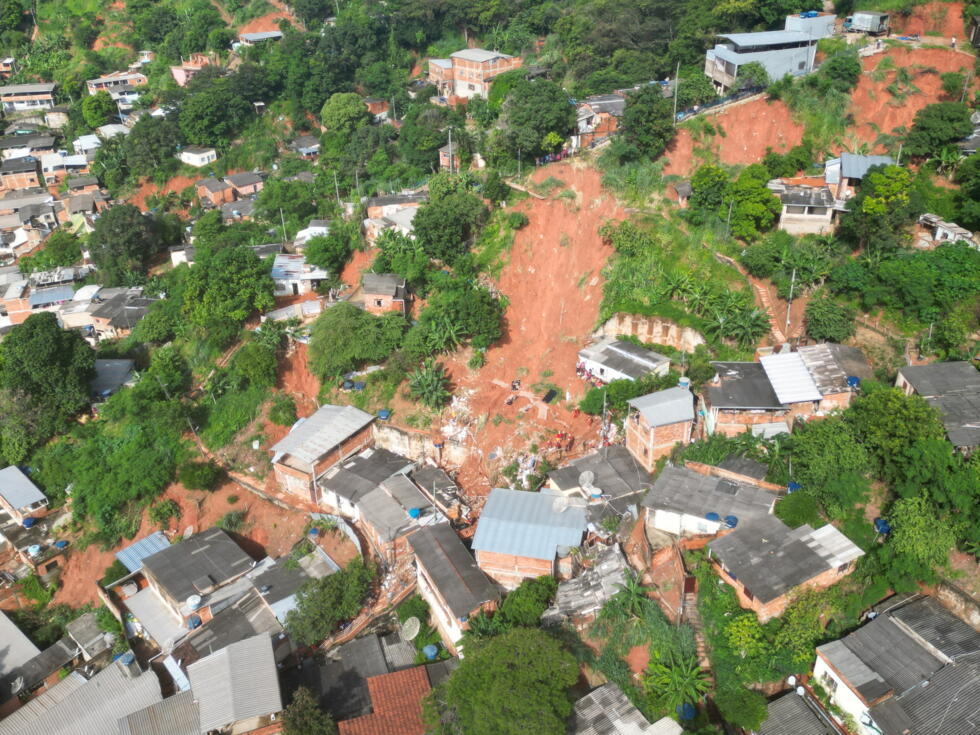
(509,570)
(841,694)
(959,603)
(418,445)
(651,329)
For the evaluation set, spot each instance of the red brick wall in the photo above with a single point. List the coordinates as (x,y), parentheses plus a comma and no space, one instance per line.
(387,304)
(297,482)
(705,469)
(648,444)
(775,608)
(510,570)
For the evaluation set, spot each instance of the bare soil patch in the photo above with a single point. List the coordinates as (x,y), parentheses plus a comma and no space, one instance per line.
(938,17)
(176,184)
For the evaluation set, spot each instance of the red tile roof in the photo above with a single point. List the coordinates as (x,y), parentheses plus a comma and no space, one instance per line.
(397,703)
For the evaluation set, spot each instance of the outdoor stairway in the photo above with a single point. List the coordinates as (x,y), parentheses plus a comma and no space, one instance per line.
(777,331)
(693,618)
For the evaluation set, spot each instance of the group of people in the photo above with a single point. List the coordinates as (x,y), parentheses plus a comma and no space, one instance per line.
(585,374)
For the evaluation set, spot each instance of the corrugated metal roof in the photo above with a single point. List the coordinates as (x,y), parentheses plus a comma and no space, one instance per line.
(16,647)
(478,55)
(665,407)
(452,569)
(17,489)
(176,715)
(236,683)
(623,357)
(766,38)
(529,524)
(789,377)
(949,704)
(681,490)
(791,715)
(52,295)
(853,166)
(312,438)
(606,711)
(156,617)
(133,555)
(938,627)
(889,651)
(832,546)
(744,386)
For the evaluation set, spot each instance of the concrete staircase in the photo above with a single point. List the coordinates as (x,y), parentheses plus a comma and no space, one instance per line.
(693,618)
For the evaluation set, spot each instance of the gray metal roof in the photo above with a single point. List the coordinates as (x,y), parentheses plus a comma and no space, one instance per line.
(110,376)
(176,715)
(790,378)
(682,490)
(664,407)
(41,666)
(941,378)
(853,166)
(389,284)
(960,414)
(806,196)
(791,715)
(236,683)
(612,104)
(744,466)
(584,595)
(615,472)
(52,295)
(341,683)
(938,627)
(85,631)
(623,357)
(387,507)
(529,524)
(858,675)
(769,558)
(359,475)
(831,365)
(246,617)
(91,707)
(205,560)
(133,555)
(948,704)
(314,437)
(742,385)
(261,36)
(16,648)
(27,88)
(247,178)
(894,655)
(766,38)
(17,489)
(452,569)
(606,711)
(478,55)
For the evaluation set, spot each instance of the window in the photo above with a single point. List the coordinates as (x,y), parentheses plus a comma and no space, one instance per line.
(819,210)
(644,451)
(471,87)
(829,682)
(748,593)
(842,569)
(379,302)
(795,209)
(801,66)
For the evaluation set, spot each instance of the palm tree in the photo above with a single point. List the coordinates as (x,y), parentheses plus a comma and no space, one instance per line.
(429,384)
(633,594)
(675,681)
(749,326)
(947,160)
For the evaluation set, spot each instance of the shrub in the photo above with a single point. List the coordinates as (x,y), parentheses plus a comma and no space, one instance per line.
(199,475)
(161,513)
(828,320)
(283,411)
(116,570)
(232,499)
(798,508)
(232,521)
(517,220)
(34,590)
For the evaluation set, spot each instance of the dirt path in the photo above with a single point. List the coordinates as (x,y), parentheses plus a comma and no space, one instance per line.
(225,15)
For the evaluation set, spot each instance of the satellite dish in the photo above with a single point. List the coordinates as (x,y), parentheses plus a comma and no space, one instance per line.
(411,628)
(586,479)
(17,685)
(560,504)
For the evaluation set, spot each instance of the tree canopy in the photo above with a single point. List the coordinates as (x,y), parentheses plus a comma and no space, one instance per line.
(322,604)
(124,243)
(344,338)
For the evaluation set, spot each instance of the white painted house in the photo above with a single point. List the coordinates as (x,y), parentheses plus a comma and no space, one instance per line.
(198,156)
(615,359)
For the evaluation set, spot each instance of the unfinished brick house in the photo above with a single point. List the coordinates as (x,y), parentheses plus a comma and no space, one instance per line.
(837,370)
(384,292)
(450,580)
(658,422)
(21,173)
(766,561)
(523,535)
(315,444)
(469,72)
(215,191)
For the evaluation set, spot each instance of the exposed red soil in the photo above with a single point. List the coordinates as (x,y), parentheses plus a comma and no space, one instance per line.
(359,262)
(876,111)
(268,22)
(269,530)
(553,282)
(944,18)
(638,658)
(176,184)
(296,380)
(750,127)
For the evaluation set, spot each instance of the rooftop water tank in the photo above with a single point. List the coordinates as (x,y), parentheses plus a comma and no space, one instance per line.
(34,550)
(731,521)
(882,526)
(29,522)
(384,414)
(793,487)
(853,381)
(194,602)
(431,651)
(414,513)
(684,382)
(712,516)
(61,544)
(193,622)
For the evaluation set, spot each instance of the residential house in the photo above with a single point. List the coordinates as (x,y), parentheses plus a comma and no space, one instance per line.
(35,543)
(688,503)
(317,443)
(807,209)
(57,166)
(316,228)
(21,173)
(86,144)
(111,130)
(396,704)
(192,67)
(27,97)
(449,159)
(245,184)
(111,376)
(596,118)
(606,711)
(176,715)
(953,389)
(442,490)
(39,291)
(578,600)
(779,52)
(132,556)
(77,705)
(115,80)
(373,490)
(520,535)
(384,206)
(8,65)
(612,359)
(683,190)
(93,642)
(401,220)
(450,580)
(20,146)
(794,714)
(16,649)
(766,561)
(384,292)
(215,191)
(658,422)
(844,174)
(115,317)
(277,582)
(198,155)
(292,275)
(914,668)
(611,483)
(237,688)
(938,231)
(837,371)
(251,39)
(469,72)
(237,211)
(306,146)
(20,497)
(741,397)
(23,674)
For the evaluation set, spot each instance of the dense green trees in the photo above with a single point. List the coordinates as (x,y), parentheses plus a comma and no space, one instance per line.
(345,337)
(303,716)
(478,697)
(429,384)
(647,125)
(212,113)
(531,114)
(445,226)
(124,242)
(936,126)
(829,320)
(151,144)
(98,109)
(61,248)
(322,604)
(745,206)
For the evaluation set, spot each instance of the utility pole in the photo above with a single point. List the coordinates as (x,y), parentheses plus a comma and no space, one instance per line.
(677,85)
(899,161)
(336,188)
(450,151)
(789,305)
(728,222)
(518,163)
(283,221)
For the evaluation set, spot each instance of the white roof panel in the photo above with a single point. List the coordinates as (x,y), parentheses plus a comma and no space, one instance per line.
(790,378)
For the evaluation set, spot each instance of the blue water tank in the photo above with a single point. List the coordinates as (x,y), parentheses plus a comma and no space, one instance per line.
(794,486)
(61,544)
(127,658)
(384,414)
(314,532)
(348,385)
(882,526)
(712,516)
(29,522)
(360,385)
(853,381)
(414,512)
(194,622)
(731,521)
(686,711)
(431,651)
